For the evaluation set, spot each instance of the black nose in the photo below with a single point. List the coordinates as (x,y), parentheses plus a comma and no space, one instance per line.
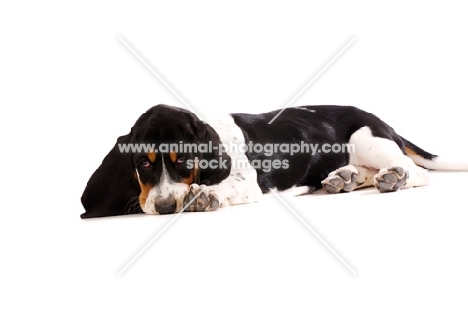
(166,208)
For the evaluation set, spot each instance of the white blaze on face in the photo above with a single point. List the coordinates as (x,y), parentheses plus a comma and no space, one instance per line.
(166,192)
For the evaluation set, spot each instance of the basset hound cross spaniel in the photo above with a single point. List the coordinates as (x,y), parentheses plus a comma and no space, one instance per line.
(170,156)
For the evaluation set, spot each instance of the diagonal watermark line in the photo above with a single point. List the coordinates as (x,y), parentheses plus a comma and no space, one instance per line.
(159,233)
(313,79)
(314,233)
(159,77)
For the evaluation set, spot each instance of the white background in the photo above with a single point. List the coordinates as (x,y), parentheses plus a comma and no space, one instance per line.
(69,88)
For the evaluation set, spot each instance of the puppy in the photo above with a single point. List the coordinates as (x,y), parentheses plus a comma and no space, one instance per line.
(171,161)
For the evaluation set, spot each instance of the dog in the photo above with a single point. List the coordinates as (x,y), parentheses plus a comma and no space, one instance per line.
(339,148)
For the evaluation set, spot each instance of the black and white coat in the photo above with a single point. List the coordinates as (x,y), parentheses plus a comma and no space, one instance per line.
(163,182)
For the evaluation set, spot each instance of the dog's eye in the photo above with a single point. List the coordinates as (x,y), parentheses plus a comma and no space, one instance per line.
(145,164)
(180,160)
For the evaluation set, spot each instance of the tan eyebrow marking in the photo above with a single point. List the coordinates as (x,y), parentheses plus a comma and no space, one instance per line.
(151,156)
(173,156)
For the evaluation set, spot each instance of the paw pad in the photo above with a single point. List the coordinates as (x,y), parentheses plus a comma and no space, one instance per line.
(206,201)
(390,179)
(343,179)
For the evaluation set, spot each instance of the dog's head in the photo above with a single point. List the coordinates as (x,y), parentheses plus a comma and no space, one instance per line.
(152,167)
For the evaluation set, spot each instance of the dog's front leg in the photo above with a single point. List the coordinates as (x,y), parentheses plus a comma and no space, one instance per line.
(239,188)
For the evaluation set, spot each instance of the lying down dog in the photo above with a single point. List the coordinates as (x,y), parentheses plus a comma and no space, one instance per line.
(170,156)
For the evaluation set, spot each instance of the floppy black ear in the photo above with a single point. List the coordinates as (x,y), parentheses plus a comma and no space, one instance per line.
(210,176)
(112,189)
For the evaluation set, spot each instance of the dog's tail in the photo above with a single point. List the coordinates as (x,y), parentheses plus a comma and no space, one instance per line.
(431,161)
